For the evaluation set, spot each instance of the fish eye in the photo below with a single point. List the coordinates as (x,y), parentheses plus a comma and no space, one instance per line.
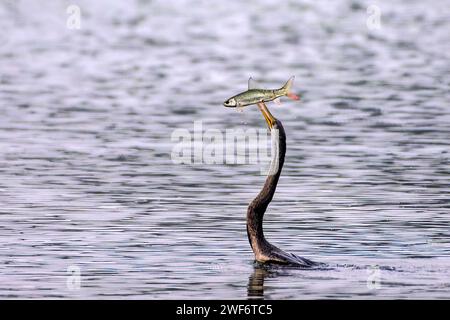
(230,103)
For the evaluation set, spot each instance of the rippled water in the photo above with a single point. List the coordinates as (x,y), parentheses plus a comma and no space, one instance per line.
(87,182)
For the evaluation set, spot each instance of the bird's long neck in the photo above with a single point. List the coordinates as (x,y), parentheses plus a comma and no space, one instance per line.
(257,208)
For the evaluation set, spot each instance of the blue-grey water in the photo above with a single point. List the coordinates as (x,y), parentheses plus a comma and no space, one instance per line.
(92,205)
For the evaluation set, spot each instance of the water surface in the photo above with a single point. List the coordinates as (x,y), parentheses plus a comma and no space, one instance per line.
(86,176)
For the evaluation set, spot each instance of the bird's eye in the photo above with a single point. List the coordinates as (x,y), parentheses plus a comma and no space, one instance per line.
(227,102)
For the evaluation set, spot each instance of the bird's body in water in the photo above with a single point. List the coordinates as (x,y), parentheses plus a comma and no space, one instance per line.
(264,251)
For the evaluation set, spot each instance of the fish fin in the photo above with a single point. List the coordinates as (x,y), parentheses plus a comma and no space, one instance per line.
(252,84)
(287,89)
(277,101)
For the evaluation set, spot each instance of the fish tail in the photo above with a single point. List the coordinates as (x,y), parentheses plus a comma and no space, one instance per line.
(287,89)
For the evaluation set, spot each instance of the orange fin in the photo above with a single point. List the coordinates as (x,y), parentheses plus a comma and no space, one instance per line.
(293,96)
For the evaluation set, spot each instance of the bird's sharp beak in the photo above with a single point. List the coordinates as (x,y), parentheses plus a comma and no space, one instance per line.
(267,115)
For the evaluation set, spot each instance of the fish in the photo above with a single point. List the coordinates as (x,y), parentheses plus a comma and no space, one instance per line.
(255,96)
